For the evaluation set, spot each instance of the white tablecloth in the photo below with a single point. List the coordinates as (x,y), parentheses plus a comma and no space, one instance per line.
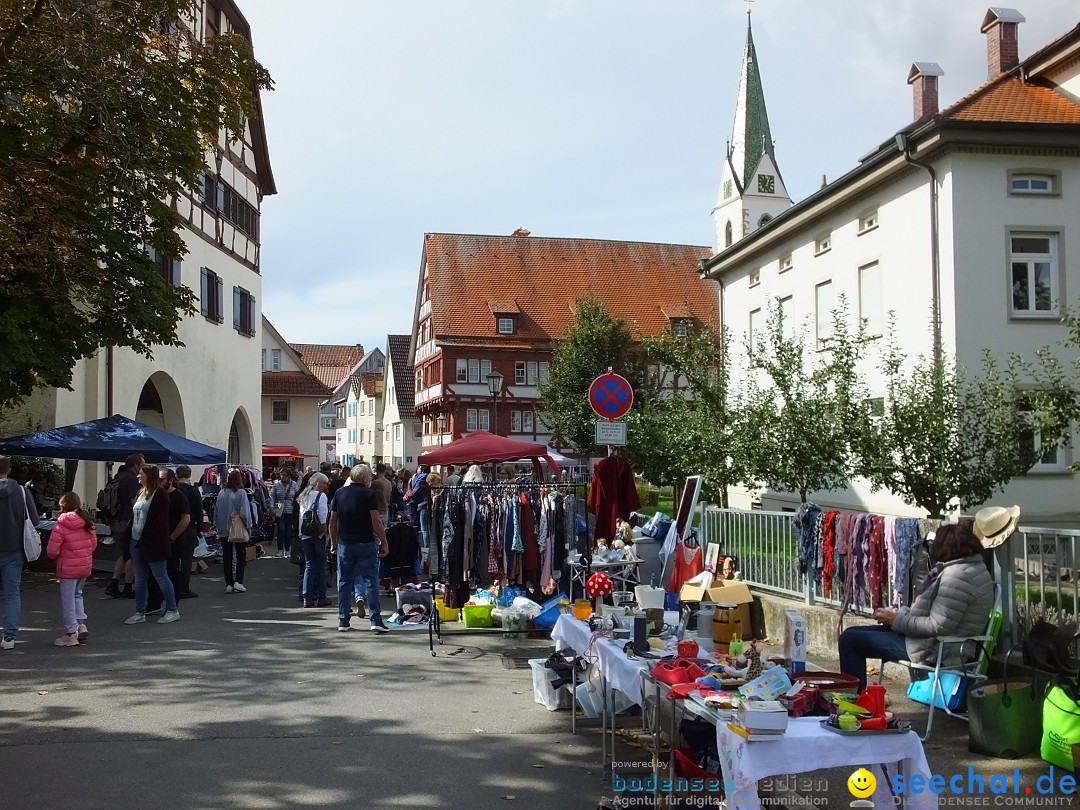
(808,747)
(620,672)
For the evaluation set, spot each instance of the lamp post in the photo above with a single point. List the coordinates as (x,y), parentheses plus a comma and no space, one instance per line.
(495,384)
(440,424)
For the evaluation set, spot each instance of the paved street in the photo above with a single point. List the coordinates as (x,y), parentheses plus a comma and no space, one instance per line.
(250,702)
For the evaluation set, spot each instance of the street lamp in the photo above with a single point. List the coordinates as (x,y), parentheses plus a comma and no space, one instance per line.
(495,384)
(440,424)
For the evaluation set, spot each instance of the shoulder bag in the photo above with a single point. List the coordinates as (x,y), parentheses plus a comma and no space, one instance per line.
(238,532)
(309,526)
(31,538)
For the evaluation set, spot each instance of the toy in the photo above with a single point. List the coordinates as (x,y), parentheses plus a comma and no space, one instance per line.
(754,666)
(597,587)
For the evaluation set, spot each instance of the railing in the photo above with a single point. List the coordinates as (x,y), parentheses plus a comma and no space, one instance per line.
(1040,576)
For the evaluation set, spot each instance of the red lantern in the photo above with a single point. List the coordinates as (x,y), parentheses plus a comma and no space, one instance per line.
(599,584)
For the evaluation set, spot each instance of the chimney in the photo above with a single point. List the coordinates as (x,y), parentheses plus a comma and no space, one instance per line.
(1002,46)
(923,78)
(521,232)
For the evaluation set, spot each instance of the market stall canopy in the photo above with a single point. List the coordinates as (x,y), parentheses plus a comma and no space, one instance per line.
(482,447)
(113,438)
(284,451)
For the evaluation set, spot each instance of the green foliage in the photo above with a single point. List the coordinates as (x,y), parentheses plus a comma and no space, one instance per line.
(648,495)
(104,122)
(801,421)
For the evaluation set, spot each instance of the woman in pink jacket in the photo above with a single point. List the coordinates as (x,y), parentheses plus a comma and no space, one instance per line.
(72,545)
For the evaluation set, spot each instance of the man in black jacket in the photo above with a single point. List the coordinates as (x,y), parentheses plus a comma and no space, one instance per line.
(120,526)
(184,548)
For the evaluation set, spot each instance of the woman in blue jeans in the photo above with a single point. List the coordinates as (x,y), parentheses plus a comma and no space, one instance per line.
(151,547)
(314,497)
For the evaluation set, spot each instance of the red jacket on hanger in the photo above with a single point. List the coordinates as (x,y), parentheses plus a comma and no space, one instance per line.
(612,494)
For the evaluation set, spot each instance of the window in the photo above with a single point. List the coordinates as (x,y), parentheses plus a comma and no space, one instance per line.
(275,359)
(519,373)
(370,436)
(679,328)
(462,371)
(264,359)
(531,370)
(754,330)
(1033,183)
(823,305)
(485,369)
(1053,453)
(785,263)
(470,419)
(168,267)
(823,244)
(787,315)
(506,326)
(877,407)
(543,372)
(387,439)
(727,234)
(243,311)
(526,421)
(1033,259)
(754,277)
(765,219)
(371,405)
(870,307)
(208,190)
(363,406)
(239,211)
(397,432)
(474,371)
(483,419)
(211,295)
(868,222)
(328,423)
(417,430)
(280,410)
(515,421)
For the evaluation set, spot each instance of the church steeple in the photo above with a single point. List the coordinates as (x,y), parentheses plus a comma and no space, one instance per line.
(751,189)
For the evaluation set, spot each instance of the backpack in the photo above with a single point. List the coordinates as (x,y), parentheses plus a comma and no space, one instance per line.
(108,499)
(309,526)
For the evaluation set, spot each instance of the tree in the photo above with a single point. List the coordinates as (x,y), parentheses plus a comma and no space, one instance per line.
(594,342)
(107,113)
(948,439)
(801,423)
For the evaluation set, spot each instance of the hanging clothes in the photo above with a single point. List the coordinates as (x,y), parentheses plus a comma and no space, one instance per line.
(877,561)
(828,551)
(687,565)
(613,494)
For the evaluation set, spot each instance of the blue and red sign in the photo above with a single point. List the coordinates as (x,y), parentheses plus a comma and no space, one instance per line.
(611,395)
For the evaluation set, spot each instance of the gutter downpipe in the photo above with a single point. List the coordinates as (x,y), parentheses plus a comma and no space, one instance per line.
(935,249)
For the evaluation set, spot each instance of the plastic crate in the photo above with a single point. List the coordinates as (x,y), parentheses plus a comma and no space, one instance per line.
(552,609)
(478,615)
(446,614)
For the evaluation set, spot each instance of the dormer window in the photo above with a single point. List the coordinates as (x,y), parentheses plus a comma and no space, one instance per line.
(506,326)
(679,328)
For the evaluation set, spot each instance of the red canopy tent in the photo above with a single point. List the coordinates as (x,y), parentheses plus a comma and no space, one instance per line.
(482,447)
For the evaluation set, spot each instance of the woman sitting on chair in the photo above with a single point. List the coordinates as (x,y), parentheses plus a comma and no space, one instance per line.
(955,601)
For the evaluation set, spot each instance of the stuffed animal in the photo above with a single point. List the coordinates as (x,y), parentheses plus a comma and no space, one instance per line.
(624,532)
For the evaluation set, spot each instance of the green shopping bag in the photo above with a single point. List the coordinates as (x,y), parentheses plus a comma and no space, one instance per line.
(1005,716)
(1061,727)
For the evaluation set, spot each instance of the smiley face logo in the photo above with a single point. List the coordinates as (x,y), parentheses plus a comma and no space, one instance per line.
(861,783)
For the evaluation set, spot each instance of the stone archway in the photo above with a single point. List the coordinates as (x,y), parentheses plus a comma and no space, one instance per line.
(160,404)
(241,444)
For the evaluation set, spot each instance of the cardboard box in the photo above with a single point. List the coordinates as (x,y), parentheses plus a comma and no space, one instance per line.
(198,566)
(725,592)
(795,640)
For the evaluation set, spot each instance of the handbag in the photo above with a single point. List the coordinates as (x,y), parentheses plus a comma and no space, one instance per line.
(238,532)
(1061,726)
(1005,716)
(309,526)
(31,538)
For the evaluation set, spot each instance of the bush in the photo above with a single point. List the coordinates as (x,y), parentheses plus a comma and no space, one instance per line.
(649,496)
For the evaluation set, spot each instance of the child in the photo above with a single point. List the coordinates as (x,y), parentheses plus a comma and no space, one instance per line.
(72,545)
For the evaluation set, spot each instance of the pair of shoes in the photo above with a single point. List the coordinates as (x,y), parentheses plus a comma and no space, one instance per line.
(67,640)
(239,587)
(343,628)
(156,611)
(309,604)
(324,602)
(83,632)
(113,590)
(169,617)
(379,628)
(187,595)
(128,592)
(229,589)
(7,644)
(137,618)
(361,608)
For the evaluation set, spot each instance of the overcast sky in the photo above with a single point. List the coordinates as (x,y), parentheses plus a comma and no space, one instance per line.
(602,119)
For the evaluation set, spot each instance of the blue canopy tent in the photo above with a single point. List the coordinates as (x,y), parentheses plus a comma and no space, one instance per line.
(112,439)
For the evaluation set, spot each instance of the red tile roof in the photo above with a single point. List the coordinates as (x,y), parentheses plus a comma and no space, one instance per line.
(1008,99)
(404,374)
(640,281)
(331,363)
(292,383)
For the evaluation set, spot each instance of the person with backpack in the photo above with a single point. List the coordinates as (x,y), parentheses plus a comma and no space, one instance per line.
(16,506)
(314,506)
(117,503)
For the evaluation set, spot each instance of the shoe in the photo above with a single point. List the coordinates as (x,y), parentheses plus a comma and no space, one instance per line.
(169,617)
(128,592)
(83,632)
(324,603)
(113,590)
(239,587)
(343,628)
(137,618)
(156,611)
(361,609)
(67,640)
(229,589)
(309,604)
(7,644)
(188,595)
(379,628)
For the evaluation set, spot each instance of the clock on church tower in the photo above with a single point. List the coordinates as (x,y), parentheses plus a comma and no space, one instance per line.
(766,184)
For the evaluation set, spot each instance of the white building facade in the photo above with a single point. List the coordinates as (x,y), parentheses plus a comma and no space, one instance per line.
(402,428)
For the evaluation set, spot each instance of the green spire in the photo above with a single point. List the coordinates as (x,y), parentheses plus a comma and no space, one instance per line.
(750,137)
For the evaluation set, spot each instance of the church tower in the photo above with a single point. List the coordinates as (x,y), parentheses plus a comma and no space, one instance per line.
(751,189)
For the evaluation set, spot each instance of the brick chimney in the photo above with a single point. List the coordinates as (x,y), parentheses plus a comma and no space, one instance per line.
(923,78)
(521,232)
(1002,45)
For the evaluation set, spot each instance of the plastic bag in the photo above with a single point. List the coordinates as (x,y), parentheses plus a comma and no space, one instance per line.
(527,606)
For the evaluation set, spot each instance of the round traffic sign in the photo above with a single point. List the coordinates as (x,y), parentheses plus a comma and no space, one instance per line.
(611,396)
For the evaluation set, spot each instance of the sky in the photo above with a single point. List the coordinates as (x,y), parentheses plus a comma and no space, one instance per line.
(604,119)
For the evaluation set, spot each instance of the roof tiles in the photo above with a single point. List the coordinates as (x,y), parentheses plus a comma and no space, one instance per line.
(1007,99)
(331,363)
(404,380)
(292,383)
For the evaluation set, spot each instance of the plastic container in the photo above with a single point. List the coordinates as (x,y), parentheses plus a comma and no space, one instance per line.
(648,597)
(412,596)
(544,692)
(478,615)
(582,609)
(446,614)
(592,702)
(552,609)
(515,622)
